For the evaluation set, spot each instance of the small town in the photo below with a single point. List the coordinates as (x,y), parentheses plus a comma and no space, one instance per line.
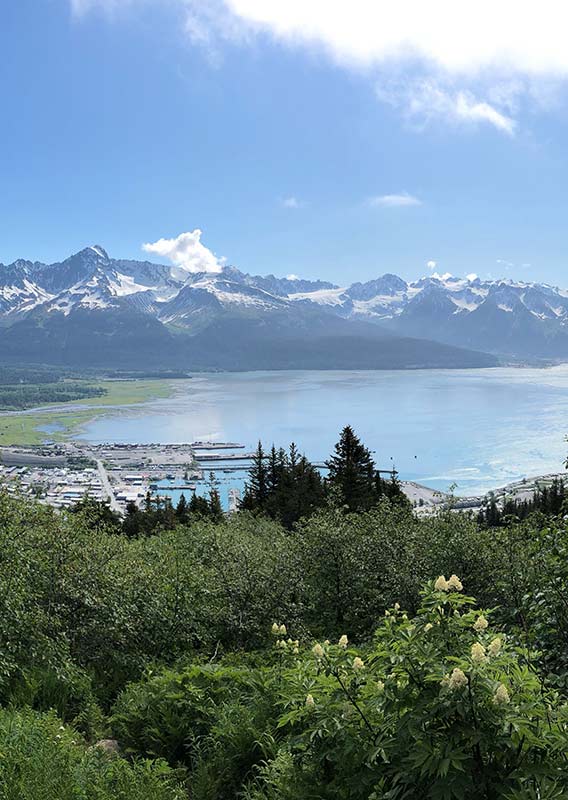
(61,475)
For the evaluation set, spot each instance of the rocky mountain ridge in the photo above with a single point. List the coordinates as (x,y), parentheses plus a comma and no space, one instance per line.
(99,309)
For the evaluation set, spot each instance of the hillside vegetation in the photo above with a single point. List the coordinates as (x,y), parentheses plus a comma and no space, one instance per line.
(236,658)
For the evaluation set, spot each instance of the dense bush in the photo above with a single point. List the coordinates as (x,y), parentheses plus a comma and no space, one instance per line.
(440,706)
(40,758)
(216,720)
(164,642)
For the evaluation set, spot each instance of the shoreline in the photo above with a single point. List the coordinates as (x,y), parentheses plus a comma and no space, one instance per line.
(30,427)
(519,490)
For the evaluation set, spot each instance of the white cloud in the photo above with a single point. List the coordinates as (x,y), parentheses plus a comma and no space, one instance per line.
(471,277)
(292,202)
(422,101)
(431,264)
(471,61)
(427,100)
(394,200)
(458,37)
(187,252)
(292,277)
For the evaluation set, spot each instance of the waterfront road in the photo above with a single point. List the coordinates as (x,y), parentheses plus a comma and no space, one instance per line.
(107,487)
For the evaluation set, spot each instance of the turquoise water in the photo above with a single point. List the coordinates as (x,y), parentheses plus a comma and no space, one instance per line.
(478,429)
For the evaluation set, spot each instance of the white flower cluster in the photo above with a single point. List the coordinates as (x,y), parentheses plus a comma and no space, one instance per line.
(478,653)
(501,696)
(495,647)
(278,630)
(480,624)
(453,584)
(284,644)
(457,680)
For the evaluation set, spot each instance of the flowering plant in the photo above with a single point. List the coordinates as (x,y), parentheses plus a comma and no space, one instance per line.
(440,706)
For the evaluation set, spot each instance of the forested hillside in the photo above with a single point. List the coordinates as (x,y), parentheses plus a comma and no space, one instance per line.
(232,657)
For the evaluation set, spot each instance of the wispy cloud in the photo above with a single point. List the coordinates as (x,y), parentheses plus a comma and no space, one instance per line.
(423,101)
(431,264)
(187,251)
(292,202)
(467,62)
(394,200)
(80,7)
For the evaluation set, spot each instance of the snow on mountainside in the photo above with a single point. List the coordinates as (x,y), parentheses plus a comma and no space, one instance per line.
(504,317)
(501,316)
(91,280)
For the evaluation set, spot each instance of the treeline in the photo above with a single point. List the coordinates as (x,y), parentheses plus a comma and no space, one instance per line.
(281,485)
(285,486)
(12,375)
(159,514)
(548,501)
(30,395)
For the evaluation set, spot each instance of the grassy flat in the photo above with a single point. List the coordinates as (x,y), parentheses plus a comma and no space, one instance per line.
(23,428)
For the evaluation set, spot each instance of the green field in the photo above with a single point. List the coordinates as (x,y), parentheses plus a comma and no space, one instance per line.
(23,428)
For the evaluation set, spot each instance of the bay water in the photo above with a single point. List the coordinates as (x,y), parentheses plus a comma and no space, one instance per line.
(477,429)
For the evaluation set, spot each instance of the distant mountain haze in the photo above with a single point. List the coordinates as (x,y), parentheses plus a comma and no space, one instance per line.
(94,310)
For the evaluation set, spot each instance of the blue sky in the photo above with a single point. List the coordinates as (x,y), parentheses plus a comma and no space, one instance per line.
(298,141)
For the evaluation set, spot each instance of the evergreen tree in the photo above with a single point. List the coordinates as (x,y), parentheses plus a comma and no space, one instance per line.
(166,515)
(390,489)
(256,489)
(352,472)
(198,506)
(283,485)
(182,510)
(215,508)
(300,490)
(275,468)
(131,522)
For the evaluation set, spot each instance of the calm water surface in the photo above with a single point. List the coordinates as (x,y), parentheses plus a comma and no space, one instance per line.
(477,428)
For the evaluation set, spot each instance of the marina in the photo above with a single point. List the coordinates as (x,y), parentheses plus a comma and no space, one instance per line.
(62,474)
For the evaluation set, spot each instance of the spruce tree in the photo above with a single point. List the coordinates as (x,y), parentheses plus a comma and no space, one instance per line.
(182,509)
(215,508)
(167,515)
(256,488)
(198,506)
(275,468)
(131,525)
(352,472)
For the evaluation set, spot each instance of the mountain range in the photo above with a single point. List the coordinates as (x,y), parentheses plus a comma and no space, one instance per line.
(94,310)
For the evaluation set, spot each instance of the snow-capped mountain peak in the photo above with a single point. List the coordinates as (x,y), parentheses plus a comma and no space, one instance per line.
(501,316)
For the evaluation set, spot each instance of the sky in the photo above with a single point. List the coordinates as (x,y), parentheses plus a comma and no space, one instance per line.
(319,138)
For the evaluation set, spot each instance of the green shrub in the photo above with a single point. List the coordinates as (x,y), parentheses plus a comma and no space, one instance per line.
(241,739)
(169,714)
(68,690)
(40,759)
(440,706)
(356,565)
(217,721)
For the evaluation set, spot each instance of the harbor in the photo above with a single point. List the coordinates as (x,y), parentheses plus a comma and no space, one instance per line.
(63,474)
